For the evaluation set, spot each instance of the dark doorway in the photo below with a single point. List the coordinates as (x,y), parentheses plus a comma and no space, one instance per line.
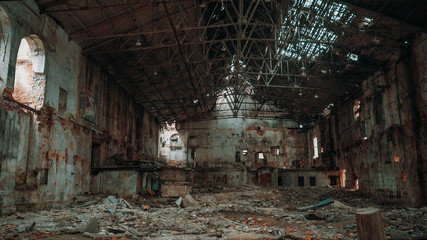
(300,181)
(95,155)
(312,181)
(333,180)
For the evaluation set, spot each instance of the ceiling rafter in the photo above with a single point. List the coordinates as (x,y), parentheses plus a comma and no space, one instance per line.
(263,55)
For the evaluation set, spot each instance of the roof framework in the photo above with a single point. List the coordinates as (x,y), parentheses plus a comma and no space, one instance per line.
(187,60)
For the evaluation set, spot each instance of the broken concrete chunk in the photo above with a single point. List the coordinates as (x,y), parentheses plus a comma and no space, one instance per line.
(179,201)
(189,201)
(111,200)
(92,226)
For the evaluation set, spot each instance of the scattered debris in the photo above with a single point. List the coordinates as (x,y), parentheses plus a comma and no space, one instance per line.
(248,212)
(189,201)
(92,226)
(179,201)
(319,204)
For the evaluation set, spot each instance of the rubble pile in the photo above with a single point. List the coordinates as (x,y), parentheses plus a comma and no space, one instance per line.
(248,212)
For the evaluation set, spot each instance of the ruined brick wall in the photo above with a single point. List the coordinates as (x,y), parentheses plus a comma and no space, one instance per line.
(45,157)
(384,147)
(228,148)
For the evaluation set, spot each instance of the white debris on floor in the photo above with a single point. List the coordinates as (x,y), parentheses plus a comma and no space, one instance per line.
(248,212)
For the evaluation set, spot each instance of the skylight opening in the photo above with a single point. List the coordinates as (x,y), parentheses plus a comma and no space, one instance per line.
(366,22)
(307,31)
(353,57)
(308,3)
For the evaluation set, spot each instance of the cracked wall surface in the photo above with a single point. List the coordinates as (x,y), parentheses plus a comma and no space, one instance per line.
(45,157)
(225,151)
(385,148)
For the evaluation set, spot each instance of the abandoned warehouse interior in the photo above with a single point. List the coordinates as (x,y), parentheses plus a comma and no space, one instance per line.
(244,110)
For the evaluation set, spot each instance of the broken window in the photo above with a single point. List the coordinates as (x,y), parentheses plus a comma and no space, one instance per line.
(315,148)
(245,152)
(275,151)
(308,21)
(30,81)
(260,157)
(300,181)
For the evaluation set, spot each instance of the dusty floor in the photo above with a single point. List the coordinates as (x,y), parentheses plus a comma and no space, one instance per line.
(245,213)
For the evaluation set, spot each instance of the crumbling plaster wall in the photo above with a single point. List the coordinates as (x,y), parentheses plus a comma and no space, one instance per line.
(219,148)
(385,149)
(45,159)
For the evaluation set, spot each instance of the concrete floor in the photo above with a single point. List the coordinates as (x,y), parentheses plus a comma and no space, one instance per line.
(245,213)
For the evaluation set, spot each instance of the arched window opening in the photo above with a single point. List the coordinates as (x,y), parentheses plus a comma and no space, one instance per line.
(30,82)
(5,36)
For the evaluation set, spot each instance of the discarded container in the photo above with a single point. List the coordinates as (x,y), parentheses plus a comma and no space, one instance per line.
(145,206)
(319,204)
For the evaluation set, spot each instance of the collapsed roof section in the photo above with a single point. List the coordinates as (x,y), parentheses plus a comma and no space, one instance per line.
(181,59)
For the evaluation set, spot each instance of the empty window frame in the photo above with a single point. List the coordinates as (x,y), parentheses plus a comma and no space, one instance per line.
(275,150)
(260,157)
(315,148)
